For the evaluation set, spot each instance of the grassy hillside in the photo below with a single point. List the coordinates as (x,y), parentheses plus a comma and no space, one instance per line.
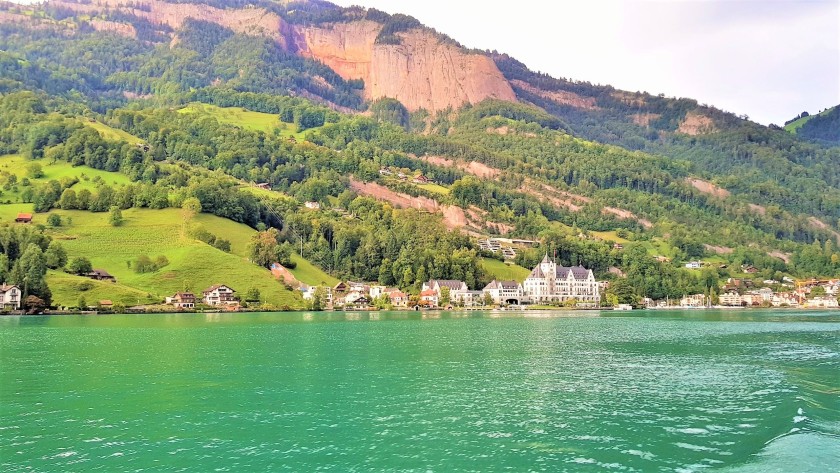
(18,165)
(239,236)
(257,121)
(503,271)
(110,133)
(67,289)
(192,265)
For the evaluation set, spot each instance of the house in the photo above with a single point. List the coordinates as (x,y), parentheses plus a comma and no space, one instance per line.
(263,185)
(106,304)
(694,265)
(23,218)
(618,246)
(429,298)
(549,282)
(219,295)
(356,301)
(10,297)
(504,292)
(749,269)
(398,298)
(732,299)
(421,179)
(101,275)
(385,172)
(468,298)
(182,300)
(693,301)
(312,205)
(822,302)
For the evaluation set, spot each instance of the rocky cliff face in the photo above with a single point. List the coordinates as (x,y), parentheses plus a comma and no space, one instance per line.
(422,72)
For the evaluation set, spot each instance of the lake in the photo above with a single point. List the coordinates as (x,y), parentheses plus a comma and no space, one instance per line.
(734,391)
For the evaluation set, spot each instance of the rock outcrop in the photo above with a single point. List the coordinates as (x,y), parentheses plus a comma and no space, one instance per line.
(422,72)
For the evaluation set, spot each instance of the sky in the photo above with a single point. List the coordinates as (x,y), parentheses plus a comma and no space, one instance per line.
(767,59)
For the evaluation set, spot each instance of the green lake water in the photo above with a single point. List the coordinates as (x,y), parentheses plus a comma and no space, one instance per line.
(737,391)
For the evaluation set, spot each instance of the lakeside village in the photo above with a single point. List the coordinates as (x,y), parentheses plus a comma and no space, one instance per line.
(548,285)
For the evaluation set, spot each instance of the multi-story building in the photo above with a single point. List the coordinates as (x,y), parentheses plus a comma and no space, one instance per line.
(9,297)
(504,292)
(549,282)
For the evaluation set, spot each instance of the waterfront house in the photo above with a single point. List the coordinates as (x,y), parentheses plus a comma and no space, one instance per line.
(822,302)
(693,301)
(504,292)
(23,218)
(356,301)
(468,298)
(182,300)
(106,304)
(732,299)
(10,297)
(398,298)
(219,295)
(429,298)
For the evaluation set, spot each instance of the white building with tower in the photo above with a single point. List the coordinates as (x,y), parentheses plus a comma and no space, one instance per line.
(549,282)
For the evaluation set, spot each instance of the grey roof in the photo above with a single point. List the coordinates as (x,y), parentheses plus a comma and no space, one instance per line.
(579,272)
(450,283)
(494,284)
(536,272)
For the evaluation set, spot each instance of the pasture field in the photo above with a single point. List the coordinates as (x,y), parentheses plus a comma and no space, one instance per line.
(111,133)
(247,119)
(193,265)
(503,271)
(88,177)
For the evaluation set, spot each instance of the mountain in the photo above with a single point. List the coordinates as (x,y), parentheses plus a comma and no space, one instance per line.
(413,146)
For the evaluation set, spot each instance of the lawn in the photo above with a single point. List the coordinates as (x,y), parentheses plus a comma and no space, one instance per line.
(503,271)
(193,265)
(257,121)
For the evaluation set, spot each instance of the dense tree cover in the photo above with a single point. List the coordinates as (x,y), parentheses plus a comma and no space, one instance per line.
(824,127)
(762,165)
(25,255)
(395,247)
(104,66)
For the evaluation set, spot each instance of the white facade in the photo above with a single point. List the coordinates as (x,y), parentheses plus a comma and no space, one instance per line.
(9,297)
(219,295)
(505,292)
(551,283)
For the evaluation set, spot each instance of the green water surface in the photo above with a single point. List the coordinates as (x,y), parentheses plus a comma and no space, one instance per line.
(744,391)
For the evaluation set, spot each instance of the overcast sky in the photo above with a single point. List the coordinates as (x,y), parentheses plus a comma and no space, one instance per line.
(769,59)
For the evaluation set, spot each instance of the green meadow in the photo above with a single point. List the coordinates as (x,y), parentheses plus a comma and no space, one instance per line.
(257,121)
(18,165)
(111,133)
(503,271)
(193,265)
